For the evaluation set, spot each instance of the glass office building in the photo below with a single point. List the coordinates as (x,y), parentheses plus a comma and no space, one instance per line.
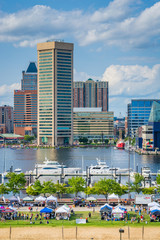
(92,123)
(138,114)
(55,91)
(29,77)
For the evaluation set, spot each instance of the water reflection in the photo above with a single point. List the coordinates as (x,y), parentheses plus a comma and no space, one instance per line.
(72,157)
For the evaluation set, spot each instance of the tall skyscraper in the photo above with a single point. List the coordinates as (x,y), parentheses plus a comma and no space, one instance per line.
(55,91)
(25,112)
(29,77)
(6,119)
(91,94)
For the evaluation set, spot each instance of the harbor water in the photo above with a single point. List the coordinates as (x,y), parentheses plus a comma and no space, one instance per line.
(72,157)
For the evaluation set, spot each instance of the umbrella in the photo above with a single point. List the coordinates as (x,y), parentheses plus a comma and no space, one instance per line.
(152,204)
(91,199)
(27,199)
(46,210)
(40,199)
(2,207)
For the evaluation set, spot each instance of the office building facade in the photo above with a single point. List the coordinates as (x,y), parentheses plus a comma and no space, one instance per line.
(25,112)
(55,91)
(92,123)
(6,119)
(138,114)
(29,77)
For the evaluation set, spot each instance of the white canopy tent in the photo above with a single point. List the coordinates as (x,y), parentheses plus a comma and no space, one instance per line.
(155,208)
(40,199)
(91,199)
(152,204)
(113,196)
(117,210)
(61,210)
(51,198)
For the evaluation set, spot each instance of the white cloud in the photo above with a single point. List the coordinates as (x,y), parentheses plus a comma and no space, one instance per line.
(116,24)
(7,92)
(83,76)
(128,82)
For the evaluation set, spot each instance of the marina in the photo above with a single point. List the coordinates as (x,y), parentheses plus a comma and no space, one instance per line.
(91,163)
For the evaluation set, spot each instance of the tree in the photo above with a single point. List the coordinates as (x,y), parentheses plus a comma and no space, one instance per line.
(35,189)
(28,138)
(150,190)
(83,140)
(3,189)
(95,141)
(107,186)
(16,182)
(158,179)
(136,186)
(60,188)
(124,190)
(76,184)
(106,141)
(48,187)
(89,190)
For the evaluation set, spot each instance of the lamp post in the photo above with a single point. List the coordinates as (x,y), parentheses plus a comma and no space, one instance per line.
(121,231)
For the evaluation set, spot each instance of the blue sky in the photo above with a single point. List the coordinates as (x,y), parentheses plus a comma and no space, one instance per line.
(116,41)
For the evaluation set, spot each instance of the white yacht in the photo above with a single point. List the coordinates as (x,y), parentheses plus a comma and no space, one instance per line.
(53,167)
(50,164)
(102,167)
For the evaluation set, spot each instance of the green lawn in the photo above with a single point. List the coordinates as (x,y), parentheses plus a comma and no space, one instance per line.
(94,221)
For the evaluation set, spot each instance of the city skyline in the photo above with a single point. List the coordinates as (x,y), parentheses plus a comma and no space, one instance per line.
(117,41)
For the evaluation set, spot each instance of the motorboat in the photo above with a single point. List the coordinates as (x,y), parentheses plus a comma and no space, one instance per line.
(53,167)
(50,164)
(120,144)
(101,167)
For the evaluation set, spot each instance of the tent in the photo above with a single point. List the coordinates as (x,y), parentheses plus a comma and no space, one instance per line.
(13,199)
(121,207)
(154,208)
(61,210)
(27,199)
(46,210)
(51,198)
(113,196)
(152,204)
(117,210)
(91,199)
(106,208)
(40,199)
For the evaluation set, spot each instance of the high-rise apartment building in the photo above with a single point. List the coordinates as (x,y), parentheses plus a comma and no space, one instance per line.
(29,77)
(79,94)
(138,114)
(91,94)
(6,119)
(55,91)
(25,112)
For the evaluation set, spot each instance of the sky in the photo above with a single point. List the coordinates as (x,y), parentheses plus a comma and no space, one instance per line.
(116,41)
